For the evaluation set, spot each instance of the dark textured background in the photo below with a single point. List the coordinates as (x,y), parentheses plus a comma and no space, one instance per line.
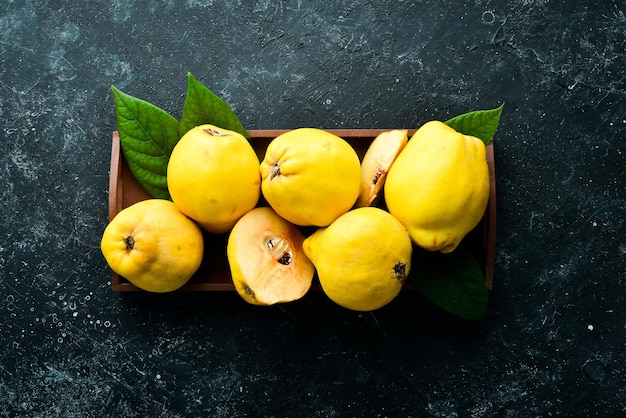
(553,342)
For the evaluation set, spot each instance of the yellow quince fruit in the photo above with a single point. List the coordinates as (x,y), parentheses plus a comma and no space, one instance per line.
(362,258)
(310,176)
(438,187)
(213,177)
(153,245)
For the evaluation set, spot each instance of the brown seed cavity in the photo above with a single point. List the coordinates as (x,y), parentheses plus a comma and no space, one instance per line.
(378,175)
(399,271)
(285,259)
(280,250)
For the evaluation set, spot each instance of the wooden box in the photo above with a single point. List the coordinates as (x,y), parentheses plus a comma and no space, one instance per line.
(214,275)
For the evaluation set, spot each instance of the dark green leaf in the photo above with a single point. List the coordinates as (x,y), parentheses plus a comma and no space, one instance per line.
(481,123)
(453,281)
(202,106)
(147,136)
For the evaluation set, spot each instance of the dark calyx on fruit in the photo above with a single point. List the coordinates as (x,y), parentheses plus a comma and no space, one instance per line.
(399,270)
(213,132)
(130,243)
(275,171)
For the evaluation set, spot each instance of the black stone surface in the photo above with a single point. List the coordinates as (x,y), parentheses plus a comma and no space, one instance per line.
(553,342)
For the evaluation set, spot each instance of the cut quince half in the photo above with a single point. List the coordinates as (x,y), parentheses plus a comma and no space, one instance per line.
(266,259)
(376,163)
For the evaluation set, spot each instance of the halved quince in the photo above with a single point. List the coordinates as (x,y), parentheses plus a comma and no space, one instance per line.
(267,262)
(376,163)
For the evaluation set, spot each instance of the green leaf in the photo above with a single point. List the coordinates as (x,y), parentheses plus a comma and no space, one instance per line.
(147,136)
(202,106)
(480,123)
(452,281)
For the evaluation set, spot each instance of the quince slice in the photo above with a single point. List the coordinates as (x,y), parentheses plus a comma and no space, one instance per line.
(376,163)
